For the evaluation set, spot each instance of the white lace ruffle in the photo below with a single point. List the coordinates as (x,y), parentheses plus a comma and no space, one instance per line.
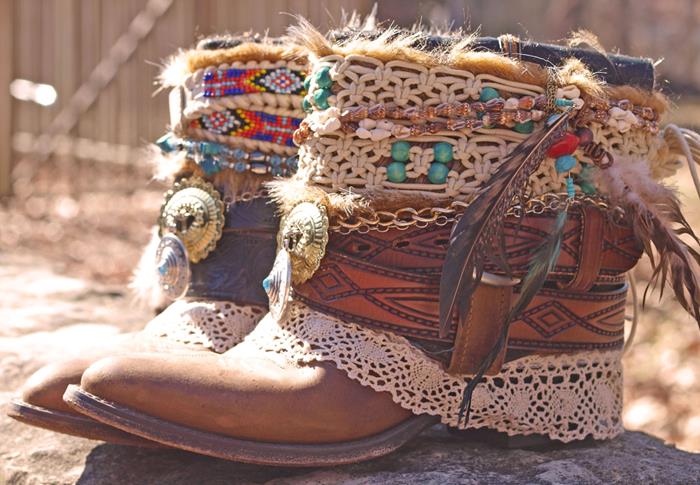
(217,325)
(565,397)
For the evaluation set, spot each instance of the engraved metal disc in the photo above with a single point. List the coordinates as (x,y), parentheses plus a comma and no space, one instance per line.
(278,284)
(304,233)
(172,266)
(193,211)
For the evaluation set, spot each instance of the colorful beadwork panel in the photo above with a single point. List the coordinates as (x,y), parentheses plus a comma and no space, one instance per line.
(254,125)
(231,82)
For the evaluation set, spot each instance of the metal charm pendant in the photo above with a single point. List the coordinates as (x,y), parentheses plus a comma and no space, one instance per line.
(173,267)
(278,285)
(304,234)
(194,212)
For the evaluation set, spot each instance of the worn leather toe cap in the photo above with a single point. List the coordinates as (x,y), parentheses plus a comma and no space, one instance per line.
(46,386)
(245,396)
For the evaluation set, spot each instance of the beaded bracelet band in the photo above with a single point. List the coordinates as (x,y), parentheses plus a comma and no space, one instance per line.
(214,157)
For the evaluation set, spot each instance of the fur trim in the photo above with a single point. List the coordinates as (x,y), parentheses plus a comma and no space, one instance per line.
(182,64)
(288,193)
(144,283)
(396,44)
(166,166)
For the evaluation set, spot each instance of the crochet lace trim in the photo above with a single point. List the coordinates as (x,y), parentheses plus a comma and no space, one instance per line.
(216,325)
(565,397)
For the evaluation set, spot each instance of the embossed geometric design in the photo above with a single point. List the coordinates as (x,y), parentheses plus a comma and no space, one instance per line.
(549,319)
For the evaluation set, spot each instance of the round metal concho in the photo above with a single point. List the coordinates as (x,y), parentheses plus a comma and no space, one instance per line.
(278,285)
(304,233)
(173,267)
(193,211)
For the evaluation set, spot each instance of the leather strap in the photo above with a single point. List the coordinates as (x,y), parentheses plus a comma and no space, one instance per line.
(474,339)
(243,256)
(390,282)
(590,255)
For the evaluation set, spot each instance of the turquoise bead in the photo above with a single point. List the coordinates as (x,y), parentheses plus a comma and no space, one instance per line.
(488,94)
(437,174)
(323,77)
(321,98)
(399,151)
(526,127)
(563,102)
(306,104)
(396,172)
(167,143)
(442,152)
(210,165)
(587,188)
(570,189)
(267,283)
(208,148)
(307,83)
(565,163)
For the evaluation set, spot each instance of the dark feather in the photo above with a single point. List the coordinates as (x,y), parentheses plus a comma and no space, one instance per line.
(659,226)
(542,263)
(476,233)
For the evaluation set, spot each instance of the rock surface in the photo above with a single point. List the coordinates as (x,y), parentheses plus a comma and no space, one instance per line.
(43,316)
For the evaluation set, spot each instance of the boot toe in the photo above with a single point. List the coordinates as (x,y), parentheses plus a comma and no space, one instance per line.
(244,396)
(46,386)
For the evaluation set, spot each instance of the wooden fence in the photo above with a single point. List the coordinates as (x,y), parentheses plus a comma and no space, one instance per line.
(60,42)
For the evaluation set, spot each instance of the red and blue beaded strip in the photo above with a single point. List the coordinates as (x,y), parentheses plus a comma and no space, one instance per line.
(254,125)
(231,82)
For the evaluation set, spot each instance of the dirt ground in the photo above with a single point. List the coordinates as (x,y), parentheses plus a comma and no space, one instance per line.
(96,237)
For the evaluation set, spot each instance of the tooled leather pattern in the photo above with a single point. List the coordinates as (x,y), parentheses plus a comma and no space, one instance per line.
(390,281)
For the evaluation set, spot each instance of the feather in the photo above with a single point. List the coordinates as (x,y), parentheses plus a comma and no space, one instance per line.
(475,235)
(543,262)
(655,214)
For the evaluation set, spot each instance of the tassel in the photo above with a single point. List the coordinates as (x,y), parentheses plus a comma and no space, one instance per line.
(477,233)
(654,210)
(543,262)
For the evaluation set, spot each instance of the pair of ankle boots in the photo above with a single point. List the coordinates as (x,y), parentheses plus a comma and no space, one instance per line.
(448,244)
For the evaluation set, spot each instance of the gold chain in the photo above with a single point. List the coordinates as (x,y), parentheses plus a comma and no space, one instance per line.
(406,217)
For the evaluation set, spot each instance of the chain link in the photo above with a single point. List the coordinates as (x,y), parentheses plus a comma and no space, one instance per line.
(404,218)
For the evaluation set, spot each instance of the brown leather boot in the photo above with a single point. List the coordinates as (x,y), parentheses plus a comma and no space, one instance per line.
(259,407)
(41,404)
(429,265)
(218,230)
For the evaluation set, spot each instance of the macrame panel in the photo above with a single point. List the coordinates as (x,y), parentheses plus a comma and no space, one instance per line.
(216,325)
(336,160)
(565,397)
(341,161)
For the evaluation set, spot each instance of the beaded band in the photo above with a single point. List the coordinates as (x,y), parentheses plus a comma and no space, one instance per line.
(214,157)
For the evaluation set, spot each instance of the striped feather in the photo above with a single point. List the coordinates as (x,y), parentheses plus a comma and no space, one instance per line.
(478,232)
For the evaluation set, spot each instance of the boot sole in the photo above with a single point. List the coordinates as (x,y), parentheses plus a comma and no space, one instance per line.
(245,451)
(72,424)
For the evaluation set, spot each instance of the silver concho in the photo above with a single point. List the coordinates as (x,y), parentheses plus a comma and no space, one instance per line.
(304,233)
(173,266)
(194,212)
(278,284)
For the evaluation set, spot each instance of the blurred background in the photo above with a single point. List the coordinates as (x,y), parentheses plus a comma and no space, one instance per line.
(77,104)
